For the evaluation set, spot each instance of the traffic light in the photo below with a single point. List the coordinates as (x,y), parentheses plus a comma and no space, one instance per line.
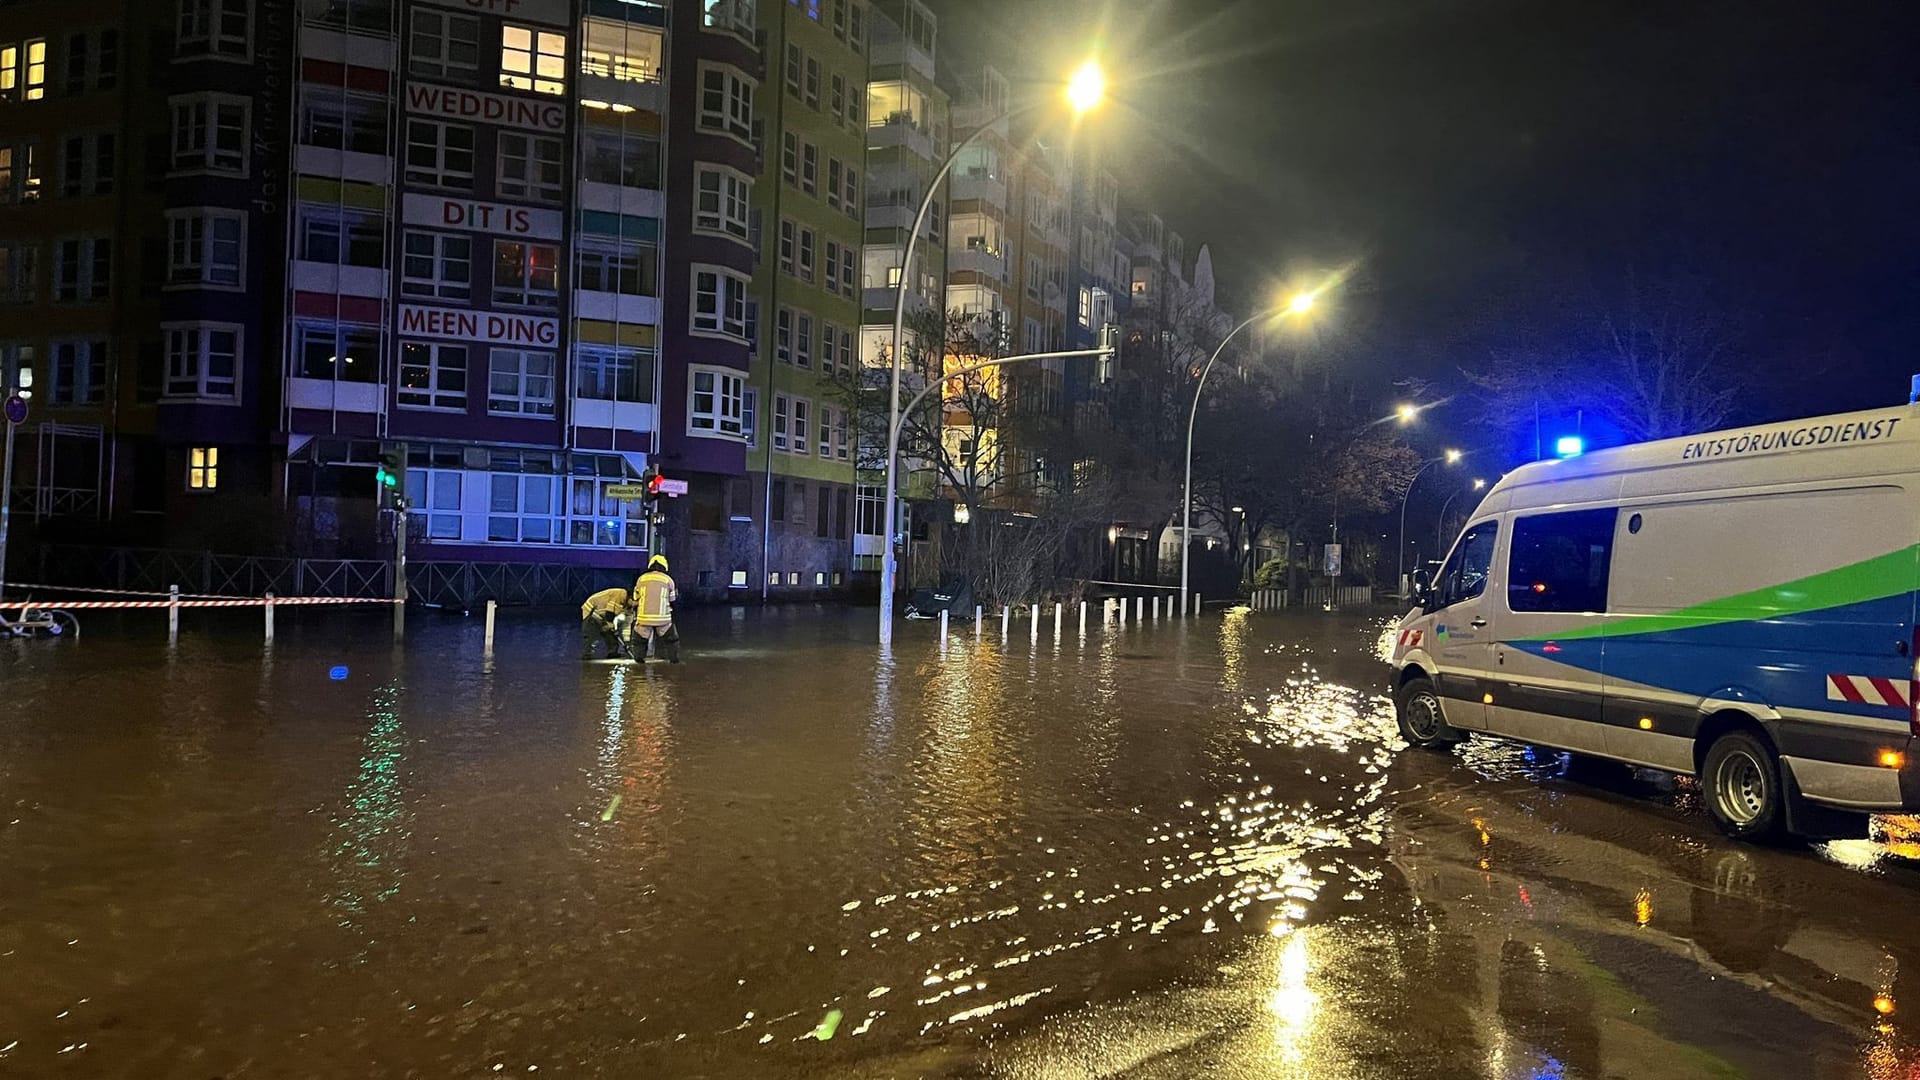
(388,474)
(1108,362)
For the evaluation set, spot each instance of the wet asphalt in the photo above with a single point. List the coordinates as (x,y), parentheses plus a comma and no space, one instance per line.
(1178,849)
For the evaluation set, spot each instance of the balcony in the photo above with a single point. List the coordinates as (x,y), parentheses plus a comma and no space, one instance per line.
(336,280)
(984,261)
(333,395)
(620,90)
(892,216)
(889,51)
(616,307)
(367,47)
(615,415)
(343,165)
(900,131)
(978,186)
(614,199)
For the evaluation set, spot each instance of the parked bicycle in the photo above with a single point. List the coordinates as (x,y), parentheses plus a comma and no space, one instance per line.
(34,621)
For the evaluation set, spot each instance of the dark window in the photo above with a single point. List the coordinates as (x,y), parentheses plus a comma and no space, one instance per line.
(779,512)
(1560,561)
(1465,576)
(841,497)
(707,514)
(823,521)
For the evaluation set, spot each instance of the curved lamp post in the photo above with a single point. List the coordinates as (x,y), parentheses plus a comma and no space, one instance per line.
(1084,92)
(1439,530)
(1450,457)
(1298,304)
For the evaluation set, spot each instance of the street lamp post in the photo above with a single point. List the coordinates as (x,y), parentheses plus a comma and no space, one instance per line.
(1440,529)
(1450,457)
(1300,304)
(1084,91)
(18,383)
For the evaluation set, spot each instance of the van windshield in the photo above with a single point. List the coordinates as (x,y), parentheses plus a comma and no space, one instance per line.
(1466,574)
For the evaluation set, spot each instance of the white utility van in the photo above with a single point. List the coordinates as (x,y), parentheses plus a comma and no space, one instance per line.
(1738,606)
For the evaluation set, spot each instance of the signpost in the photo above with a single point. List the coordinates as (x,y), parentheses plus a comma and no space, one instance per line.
(1332,559)
(16,410)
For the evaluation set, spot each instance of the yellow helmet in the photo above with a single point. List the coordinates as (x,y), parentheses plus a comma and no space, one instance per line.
(658,562)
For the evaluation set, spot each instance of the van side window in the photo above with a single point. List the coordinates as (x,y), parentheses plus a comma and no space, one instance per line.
(1465,576)
(1560,562)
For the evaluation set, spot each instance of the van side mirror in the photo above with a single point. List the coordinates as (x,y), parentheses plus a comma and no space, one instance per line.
(1422,587)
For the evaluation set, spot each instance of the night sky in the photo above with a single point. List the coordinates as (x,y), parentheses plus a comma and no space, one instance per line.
(1495,171)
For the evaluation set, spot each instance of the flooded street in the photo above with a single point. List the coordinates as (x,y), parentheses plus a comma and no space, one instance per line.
(1183,849)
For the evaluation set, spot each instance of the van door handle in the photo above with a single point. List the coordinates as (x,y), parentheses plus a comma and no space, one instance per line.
(1477,623)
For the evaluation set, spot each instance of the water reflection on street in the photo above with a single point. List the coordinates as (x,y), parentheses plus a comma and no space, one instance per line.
(1168,850)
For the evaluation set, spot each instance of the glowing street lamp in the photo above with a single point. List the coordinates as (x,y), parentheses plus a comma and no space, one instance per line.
(1299,303)
(1407,414)
(1084,92)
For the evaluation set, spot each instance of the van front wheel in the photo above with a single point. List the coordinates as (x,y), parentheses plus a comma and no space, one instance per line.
(1741,778)
(1417,709)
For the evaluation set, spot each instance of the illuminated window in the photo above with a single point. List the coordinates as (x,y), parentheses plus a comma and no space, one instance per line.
(731,15)
(738,580)
(33,70)
(203,468)
(526,274)
(19,172)
(533,60)
(622,51)
(9,72)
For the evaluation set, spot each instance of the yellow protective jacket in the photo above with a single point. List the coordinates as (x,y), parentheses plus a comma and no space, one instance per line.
(606,601)
(653,597)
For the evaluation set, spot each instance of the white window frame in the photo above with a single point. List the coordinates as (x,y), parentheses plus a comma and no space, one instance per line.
(726,389)
(734,17)
(734,117)
(442,358)
(802,417)
(196,130)
(441,65)
(722,198)
(848,284)
(538,159)
(803,324)
(188,348)
(191,258)
(809,167)
(442,172)
(528,60)
(205,29)
(553,517)
(609,361)
(312,218)
(90,178)
(85,261)
(611,256)
(829,340)
(782,422)
(727,316)
(77,371)
(830,259)
(808,250)
(525,295)
(519,365)
(783,336)
(443,263)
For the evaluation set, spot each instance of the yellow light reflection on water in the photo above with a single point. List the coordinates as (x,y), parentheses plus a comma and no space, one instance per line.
(1643,907)
(1292,1003)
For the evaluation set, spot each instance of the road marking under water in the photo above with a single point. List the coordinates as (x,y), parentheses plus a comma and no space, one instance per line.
(607,814)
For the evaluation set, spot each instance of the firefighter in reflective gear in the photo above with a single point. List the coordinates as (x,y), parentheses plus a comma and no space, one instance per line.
(599,621)
(653,597)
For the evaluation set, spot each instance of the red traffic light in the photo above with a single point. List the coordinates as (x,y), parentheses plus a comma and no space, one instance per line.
(653,484)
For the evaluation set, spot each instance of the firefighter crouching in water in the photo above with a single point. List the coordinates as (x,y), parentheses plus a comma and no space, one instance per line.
(599,621)
(653,597)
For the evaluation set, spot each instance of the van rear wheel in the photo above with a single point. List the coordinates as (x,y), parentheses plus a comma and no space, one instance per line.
(1417,710)
(1741,778)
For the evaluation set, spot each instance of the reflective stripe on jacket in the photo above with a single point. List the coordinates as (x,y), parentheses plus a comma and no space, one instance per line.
(611,601)
(653,597)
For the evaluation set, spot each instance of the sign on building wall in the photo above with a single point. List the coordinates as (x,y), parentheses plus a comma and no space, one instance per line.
(492,327)
(440,212)
(456,104)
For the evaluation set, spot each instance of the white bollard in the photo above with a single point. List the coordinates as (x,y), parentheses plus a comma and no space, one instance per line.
(1121,609)
(268,608)
(1156,609)
(1196,603)
(1035,611)
(1139,609)
(173,614)
(1056,620)
(978,613)
(491,606)
(1083,618)
(943,628)
(1006,620)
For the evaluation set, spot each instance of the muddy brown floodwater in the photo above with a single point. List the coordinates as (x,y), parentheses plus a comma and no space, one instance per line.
(1177,850)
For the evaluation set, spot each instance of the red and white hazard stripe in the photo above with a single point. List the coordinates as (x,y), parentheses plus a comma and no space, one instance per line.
(1870,690)
(98,605)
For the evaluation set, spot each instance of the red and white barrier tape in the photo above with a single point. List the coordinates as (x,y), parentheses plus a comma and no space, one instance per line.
(99,605)
(36,587)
